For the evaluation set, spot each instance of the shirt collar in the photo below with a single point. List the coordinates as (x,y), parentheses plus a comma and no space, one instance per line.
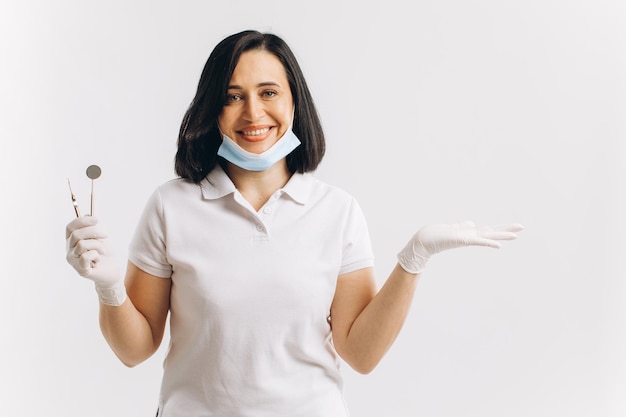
(217,185)
(299,187)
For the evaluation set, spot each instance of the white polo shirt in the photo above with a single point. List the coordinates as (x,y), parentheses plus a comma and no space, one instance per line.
(251,294)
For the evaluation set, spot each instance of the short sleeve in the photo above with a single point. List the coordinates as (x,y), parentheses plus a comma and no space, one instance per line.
(357,248)
(147,249)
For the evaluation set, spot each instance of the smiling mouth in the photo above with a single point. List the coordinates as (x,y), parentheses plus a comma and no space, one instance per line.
(256,132)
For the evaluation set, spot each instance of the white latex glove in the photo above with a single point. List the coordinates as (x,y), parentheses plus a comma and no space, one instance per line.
(88,253)
(439,237)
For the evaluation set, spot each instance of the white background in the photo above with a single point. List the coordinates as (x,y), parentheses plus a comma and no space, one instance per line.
(439,111)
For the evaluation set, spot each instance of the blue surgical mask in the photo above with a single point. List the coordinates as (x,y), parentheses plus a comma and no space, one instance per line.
(249,161)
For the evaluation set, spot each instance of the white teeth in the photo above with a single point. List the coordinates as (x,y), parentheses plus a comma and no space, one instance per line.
(256,132)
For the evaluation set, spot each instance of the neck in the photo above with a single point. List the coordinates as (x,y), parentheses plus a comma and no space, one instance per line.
(258,186)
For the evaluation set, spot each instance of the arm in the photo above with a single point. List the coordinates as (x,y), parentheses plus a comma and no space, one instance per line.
(134,330)
(132,316)
(365,323)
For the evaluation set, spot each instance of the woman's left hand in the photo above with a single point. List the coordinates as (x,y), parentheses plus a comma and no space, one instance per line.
(439,237)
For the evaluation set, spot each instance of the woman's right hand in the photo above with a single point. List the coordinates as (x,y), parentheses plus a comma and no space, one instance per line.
(89,255)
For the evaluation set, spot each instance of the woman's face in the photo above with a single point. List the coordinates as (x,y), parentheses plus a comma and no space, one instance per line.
(259,105)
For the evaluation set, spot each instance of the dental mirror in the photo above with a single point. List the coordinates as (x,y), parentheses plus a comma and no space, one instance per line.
(93,172)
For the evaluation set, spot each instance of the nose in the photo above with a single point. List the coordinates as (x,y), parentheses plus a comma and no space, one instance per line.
(253,109)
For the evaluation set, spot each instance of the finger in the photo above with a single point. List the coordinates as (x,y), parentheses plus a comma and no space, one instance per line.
(499,235)
(87,260)
(483,241)
(85,233)
(515,227)
(83,246)
(79,223)
(84,263)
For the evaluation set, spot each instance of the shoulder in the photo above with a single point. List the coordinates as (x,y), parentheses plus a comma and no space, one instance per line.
(319,194)
(176,185)
(322,189)
(177,188)
(173,192)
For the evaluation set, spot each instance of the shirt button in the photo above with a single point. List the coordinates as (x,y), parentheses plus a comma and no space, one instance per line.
(259,227)
(267,210)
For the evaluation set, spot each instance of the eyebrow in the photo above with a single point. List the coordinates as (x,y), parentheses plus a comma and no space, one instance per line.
(263,84)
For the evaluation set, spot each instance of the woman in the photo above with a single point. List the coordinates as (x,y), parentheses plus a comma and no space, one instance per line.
(267,272)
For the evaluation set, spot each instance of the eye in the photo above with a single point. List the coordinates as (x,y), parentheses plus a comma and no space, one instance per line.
(269,93)
(232,98)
